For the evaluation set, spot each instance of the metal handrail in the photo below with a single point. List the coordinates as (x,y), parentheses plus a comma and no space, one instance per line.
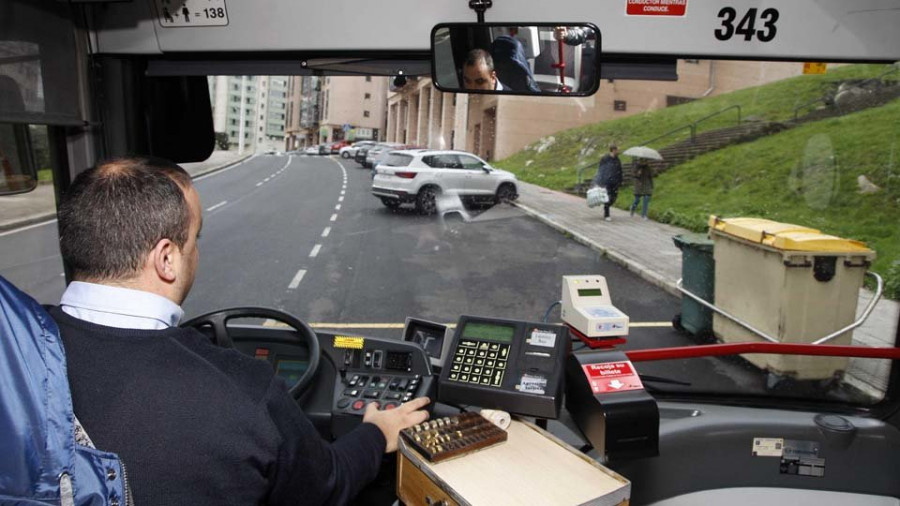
(807,104)
(829,337)
(735,106)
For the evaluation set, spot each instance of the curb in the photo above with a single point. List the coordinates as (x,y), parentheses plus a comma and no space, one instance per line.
(24,222)
(37,218)
(638,268)
(221,167)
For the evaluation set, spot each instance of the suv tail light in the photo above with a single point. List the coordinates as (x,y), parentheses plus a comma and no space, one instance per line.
(406,175)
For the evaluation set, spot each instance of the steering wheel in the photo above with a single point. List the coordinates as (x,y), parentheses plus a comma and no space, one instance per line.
(218,321)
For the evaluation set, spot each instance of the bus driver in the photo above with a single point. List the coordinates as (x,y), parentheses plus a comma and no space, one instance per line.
(194,423)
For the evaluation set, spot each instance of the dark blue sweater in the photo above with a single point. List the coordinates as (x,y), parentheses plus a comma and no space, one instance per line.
(197,424)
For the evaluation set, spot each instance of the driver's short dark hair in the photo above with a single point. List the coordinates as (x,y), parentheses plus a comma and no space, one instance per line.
(114,214)
(479,55)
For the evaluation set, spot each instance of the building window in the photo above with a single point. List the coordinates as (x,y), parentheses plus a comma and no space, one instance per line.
(368,96)
(368,79)
(620,105)
(365,114)
(695,62)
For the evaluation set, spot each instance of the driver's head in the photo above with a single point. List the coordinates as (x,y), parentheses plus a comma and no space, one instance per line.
(132,222)
(478,71)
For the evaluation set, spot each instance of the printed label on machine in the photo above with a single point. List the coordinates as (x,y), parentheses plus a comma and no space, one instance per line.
(612,377)
(656,7)
(543,338)
(530,384)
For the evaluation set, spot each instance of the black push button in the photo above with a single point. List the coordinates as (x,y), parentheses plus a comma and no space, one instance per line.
(371,394)
(343,403)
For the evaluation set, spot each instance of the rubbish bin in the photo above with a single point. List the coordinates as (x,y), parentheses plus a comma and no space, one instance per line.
(697,277)
(790,282)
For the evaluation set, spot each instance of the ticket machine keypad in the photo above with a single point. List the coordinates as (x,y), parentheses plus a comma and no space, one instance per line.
(479,362)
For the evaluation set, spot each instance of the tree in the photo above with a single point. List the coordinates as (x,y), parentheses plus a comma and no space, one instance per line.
(222,140)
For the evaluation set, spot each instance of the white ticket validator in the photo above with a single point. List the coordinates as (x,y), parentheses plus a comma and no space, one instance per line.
(587,307)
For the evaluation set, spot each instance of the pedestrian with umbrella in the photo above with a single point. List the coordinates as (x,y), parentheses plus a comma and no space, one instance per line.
(643,176)
(609,176)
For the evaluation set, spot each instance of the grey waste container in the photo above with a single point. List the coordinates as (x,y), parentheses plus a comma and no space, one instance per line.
(698,275)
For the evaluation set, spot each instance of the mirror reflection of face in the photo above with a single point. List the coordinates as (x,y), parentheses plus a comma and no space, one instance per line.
(479,77)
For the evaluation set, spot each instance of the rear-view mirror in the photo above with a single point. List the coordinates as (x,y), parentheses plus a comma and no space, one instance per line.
(560,59)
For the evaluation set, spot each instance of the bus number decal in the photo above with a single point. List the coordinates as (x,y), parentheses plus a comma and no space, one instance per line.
(746,26)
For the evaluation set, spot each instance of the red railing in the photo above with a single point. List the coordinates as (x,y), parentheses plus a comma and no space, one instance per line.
(715,350)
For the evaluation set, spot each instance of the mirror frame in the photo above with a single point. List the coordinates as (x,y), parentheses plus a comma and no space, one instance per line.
(585,93)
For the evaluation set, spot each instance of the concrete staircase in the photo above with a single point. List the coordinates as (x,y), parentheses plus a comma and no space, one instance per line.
(713,140)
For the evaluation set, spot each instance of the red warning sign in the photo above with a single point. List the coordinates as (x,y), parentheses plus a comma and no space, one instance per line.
(612,377)
(656,7)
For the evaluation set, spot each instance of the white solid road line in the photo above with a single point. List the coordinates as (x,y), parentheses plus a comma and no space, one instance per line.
(297,279)
(333,217)
(315,251)
(213,208)
(326,231)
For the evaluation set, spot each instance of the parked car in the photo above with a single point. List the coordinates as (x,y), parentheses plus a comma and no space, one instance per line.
(418,176)
(350,151)
(336,146)
(373,153)
(361,153)
(323,149)
(311,150)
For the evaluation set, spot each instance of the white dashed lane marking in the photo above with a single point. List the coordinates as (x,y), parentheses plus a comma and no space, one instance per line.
(213,208)
(315,251)
(326,231)
(297,279)
(334,217)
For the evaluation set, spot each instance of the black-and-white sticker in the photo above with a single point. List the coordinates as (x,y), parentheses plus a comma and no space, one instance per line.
(543,338)
(768,446)
(530,384)
(186,13)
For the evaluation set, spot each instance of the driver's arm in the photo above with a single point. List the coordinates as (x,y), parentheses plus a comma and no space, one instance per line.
(309,470)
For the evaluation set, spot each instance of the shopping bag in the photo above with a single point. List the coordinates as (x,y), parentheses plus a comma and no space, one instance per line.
(597,196)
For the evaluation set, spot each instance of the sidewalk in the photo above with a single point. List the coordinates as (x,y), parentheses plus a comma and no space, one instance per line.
(646,248)
(40,205)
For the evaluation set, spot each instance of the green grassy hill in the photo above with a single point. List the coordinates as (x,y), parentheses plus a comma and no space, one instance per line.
(555,166)
(806,175)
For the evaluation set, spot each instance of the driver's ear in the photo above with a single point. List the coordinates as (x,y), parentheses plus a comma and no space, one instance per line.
(163,258)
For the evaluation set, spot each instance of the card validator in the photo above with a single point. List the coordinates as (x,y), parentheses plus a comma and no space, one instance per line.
(587,307)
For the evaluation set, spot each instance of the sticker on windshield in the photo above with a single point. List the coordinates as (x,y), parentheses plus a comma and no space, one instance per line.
(674,8)
(349,343)
(188,13)
(768,447)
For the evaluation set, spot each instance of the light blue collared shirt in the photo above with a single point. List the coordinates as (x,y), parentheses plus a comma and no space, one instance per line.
(122,308)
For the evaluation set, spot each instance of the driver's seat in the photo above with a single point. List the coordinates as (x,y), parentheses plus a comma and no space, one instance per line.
(47,456)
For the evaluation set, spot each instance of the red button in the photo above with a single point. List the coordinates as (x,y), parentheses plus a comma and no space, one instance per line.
(358,405)
(390,405)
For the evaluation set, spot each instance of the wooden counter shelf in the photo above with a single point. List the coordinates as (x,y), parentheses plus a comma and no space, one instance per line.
(532,467)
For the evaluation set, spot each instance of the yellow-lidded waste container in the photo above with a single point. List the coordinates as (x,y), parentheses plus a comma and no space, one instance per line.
(790,282)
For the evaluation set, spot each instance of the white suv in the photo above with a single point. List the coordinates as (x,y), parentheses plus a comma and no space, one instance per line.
(350,151)
(419,176)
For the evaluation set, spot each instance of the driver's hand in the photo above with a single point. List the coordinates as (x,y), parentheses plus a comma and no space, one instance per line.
(392,421)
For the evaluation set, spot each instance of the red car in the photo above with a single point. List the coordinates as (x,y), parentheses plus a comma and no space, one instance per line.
(336,146)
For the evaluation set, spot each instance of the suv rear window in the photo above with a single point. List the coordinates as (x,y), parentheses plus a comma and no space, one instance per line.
(398,160)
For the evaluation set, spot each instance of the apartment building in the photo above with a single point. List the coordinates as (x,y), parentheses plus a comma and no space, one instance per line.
(302,124)
(495,127)
(352,108)
(250,110)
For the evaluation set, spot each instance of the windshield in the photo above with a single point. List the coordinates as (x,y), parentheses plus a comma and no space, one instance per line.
(313,233)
